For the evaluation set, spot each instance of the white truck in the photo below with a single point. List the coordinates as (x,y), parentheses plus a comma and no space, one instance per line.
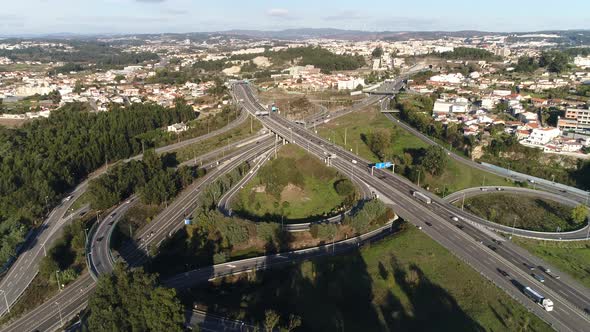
(546,304)
(422,197)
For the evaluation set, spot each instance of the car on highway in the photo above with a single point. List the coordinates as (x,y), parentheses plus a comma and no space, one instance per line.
(503,273)
(499,189)
(492,247)
(454,218)
(459,226)
(538,277)
(67,199)
(427,223)
(530,267)
(419,227)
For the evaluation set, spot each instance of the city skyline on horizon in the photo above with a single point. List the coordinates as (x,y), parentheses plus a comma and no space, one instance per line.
(38,17)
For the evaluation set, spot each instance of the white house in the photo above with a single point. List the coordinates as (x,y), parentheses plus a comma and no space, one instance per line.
(542,136)
(177,128)
(350,84)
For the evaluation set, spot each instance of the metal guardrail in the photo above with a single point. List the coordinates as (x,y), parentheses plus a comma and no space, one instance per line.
(93,272)
(511,173)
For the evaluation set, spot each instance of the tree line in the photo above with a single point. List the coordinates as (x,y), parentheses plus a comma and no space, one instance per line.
(42,160)
(154,178)
(470,53)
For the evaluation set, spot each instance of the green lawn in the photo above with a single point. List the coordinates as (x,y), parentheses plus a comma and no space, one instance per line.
(531,213)
(234,135)
(457,176)
(404,283)
(315,196)
(572,258)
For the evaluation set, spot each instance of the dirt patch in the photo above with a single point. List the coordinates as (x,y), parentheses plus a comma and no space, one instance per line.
(12,123)
(259,189)
(293,193)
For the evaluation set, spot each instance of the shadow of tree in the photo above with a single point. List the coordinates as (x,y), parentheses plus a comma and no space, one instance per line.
(336,294)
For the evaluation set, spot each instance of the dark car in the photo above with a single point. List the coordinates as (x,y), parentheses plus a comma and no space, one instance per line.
(503,273)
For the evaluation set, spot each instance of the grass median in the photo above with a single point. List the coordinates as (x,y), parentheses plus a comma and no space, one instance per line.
(357,126)
(405,283)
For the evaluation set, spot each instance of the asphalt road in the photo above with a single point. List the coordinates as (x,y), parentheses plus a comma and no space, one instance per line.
(436,216)
(168,221)
(224,203)
(580,234)
(560,189)
(26,266)
(73,298)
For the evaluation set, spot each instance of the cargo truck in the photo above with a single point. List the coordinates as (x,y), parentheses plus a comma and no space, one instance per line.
(422,197)
(546,304)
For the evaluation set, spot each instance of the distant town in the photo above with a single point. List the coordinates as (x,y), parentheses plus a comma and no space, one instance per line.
(541,107)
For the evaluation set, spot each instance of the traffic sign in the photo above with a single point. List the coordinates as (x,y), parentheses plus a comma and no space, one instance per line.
(383,165)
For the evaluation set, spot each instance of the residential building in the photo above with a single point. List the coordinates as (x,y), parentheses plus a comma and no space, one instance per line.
(575,119)
(177,128)
(542,136)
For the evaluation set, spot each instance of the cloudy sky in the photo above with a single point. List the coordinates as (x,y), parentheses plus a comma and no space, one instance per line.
(152,16)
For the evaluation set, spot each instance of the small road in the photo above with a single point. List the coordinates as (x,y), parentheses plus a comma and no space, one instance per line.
(25,268)
(545,185)
(435,219)
(580,234)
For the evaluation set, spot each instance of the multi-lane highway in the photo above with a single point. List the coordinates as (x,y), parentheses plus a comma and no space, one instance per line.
(74,297)
(580,234)
(168,221)
(470,247)
(26,266)
(573,193)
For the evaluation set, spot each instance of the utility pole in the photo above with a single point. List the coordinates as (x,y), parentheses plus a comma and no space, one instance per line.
(419,173)
(357,148)
(130,232)
(5,300)
(345,130)
(61,320)
(513,227)
(463,204)
(57,279)
(483,181)
(44,251)
(250,124)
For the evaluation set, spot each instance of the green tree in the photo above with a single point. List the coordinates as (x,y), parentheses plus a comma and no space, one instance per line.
(119,78)
(132,301)
(379,142)
(579,213)
(377,52)
(271,320)
(344,187)
(435,160)
(554,61)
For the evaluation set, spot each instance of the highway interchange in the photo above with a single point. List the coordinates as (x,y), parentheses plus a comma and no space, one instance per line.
(471,243)
(467,243)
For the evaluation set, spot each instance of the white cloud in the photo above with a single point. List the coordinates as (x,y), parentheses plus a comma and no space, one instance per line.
(278,12)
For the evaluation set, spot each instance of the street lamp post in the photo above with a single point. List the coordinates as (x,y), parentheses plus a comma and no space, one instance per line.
(513,227)
(61,320)
(57,279)
(5,300)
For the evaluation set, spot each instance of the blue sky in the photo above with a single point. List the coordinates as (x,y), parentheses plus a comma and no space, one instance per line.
(152,16)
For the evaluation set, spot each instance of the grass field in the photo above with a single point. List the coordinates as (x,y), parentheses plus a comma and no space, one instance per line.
(572,258)
(236,134)
(457,176)
(315,196)
(531,213)
(404,283)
